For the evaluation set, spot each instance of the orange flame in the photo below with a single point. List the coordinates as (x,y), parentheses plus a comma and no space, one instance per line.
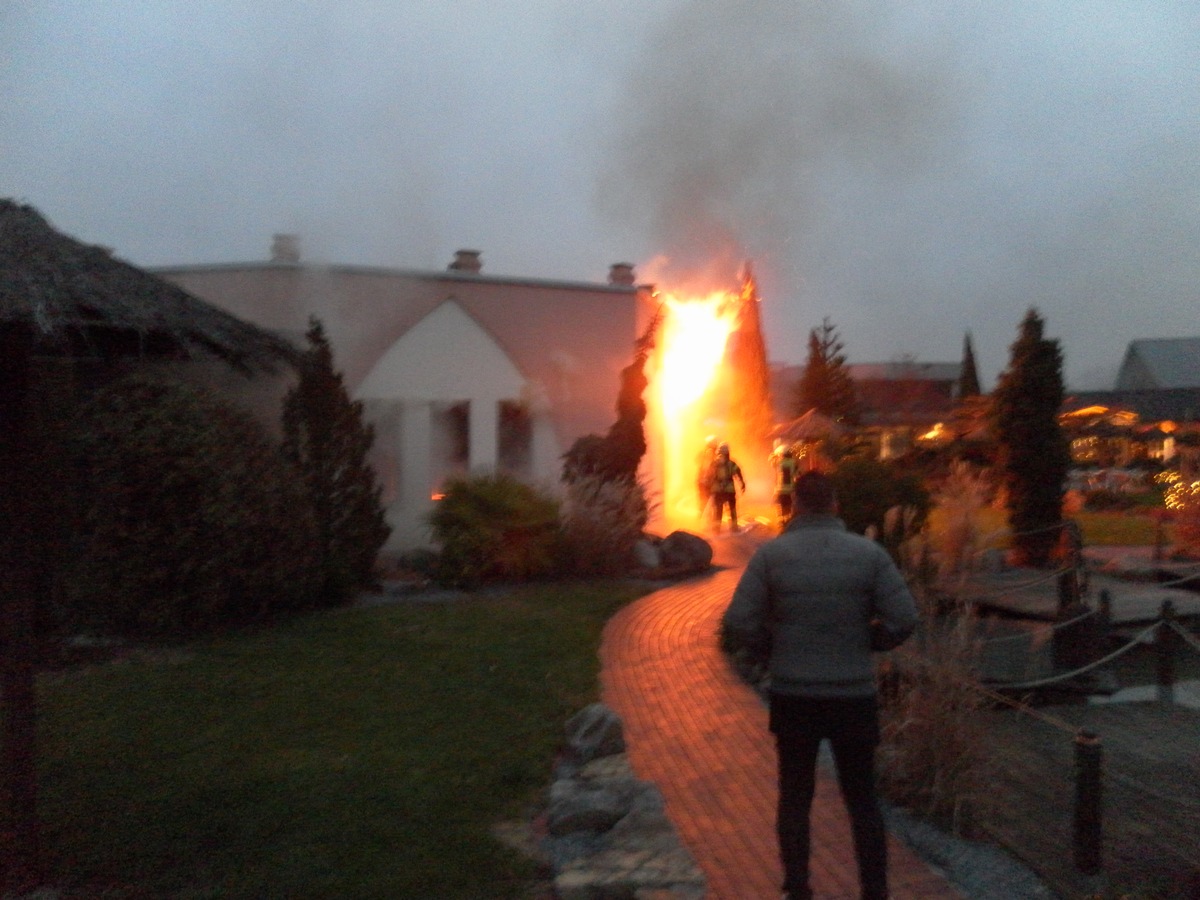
(693,339)
(692,342)
(706,380)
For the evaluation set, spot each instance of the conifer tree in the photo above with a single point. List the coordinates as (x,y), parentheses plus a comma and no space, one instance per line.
(826,384)
(968,377)
(325,436)
(1034,454)
(617,455)
(749,390)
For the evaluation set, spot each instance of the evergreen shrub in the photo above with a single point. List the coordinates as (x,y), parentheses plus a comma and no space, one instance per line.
(867,489)
(326,437)
(495,528)
(1035,454)
(190,518)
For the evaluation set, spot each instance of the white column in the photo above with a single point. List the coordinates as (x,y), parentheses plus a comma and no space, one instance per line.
(415,445)
(407,515)
(484,435)
(545,452)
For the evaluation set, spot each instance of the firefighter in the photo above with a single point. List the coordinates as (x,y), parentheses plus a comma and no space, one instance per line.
(786,469)
(704,473)
(725,472)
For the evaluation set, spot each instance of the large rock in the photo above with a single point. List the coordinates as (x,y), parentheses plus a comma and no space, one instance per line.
(577,806)
(682,552)
(593,732)
(646,555)
(609,838)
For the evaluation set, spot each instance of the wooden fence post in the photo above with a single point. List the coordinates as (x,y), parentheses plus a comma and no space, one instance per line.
(22,580)
(1104,613)
(1088,802)
(1165,642)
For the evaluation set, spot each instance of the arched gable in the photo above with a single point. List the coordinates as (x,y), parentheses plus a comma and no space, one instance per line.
(446,356)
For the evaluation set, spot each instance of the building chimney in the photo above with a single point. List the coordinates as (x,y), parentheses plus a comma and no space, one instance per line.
(285,248)
(466,261)
(621,273)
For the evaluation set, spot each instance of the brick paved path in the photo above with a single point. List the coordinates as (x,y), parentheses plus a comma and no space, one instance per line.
(700,734)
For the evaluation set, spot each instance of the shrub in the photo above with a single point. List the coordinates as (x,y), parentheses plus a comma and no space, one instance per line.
(495,528)
(933,758)
(191,519)
(867,489)
(959,501)
(616,455)
(602,520)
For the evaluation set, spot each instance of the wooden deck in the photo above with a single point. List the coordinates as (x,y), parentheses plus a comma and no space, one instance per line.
(1151,795)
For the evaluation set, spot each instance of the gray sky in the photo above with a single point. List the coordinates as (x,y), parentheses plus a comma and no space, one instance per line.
(912,170)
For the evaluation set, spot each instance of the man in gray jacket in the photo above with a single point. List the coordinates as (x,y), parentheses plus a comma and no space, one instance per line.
(813,603)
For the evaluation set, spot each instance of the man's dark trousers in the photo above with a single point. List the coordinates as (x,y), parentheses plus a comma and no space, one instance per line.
(852,727)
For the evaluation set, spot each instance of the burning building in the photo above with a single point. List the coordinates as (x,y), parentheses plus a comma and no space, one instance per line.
(458,371)
(463,372)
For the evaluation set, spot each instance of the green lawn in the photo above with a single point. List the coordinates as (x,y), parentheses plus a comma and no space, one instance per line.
(354,753)
(1130,528)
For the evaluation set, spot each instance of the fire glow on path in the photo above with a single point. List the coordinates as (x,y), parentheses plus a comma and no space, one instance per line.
(691,352)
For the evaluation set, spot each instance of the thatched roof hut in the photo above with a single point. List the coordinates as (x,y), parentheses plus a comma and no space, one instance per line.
(82,300)
(62,298)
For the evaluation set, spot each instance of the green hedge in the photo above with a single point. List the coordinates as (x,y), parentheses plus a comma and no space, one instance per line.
(191,518)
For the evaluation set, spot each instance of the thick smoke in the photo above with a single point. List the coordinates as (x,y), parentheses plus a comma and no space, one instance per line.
(917,174)
(743,123)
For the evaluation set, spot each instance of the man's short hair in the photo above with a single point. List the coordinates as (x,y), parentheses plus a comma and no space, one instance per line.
(814,492)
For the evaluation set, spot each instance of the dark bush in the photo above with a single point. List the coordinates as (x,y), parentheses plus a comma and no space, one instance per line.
(868,488)
(191,518)
(495,528)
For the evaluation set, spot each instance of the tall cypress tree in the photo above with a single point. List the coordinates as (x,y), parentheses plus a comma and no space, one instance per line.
(325,435)
(1034,453)
(617,455)
(749,387)
(968,376)
(826,384)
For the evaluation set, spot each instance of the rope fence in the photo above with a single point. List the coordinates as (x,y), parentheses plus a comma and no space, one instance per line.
(1182,579)
(1034,582)
(1105,776)
(1112,787)
(1057,626)
(1082,670)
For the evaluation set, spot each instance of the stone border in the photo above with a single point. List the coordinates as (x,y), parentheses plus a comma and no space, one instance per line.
(606,835)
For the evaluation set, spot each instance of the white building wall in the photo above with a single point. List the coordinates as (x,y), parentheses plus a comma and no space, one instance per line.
(447,358)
